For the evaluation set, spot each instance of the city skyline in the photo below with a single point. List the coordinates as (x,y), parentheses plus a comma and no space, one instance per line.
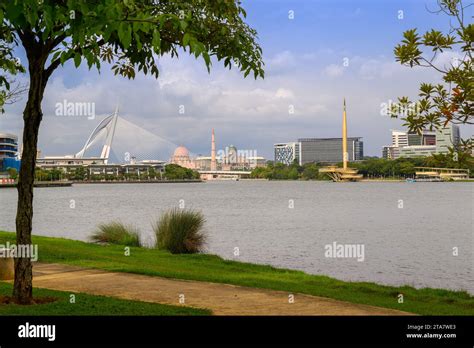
(236,158)
(310,66)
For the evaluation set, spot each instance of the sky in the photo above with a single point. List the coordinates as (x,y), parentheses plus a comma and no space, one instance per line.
(316,53)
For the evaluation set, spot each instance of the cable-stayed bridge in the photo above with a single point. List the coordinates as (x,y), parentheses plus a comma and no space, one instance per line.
(122,141)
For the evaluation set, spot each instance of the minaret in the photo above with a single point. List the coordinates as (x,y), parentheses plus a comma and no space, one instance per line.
(213,152)
(345,155)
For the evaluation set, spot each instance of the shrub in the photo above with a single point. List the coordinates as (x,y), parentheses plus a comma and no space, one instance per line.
(180,231)
(116,233)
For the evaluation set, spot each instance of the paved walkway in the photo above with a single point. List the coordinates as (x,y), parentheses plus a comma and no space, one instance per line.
(222,299)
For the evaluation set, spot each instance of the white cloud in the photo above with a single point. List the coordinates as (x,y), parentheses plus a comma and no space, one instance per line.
(370,69)
(283,59)
(284,93)
(247,113)
(333,70)
(446,59)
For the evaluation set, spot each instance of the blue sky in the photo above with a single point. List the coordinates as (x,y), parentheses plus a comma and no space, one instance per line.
(305,69)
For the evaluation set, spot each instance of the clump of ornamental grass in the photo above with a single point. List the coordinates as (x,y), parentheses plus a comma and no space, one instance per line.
(180,231)
(116,233)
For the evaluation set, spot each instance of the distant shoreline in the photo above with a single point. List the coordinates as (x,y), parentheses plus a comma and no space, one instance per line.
(192,181)
(141,182)
(363,180)
(71,183)
(42,184)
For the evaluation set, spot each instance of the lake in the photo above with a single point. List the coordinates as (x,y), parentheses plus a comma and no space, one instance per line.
(410,233)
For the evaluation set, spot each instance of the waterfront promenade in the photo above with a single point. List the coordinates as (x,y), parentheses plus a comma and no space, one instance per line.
(222,299)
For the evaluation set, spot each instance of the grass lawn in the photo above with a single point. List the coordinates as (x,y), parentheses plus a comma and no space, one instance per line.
(89,305)
(214,269)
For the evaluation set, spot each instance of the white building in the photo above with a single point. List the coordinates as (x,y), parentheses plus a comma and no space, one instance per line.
(399,138)
(405,144)
(287,153)
(447,137)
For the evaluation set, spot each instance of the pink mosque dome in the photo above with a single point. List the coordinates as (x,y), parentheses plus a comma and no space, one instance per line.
(181,152)
(181,157)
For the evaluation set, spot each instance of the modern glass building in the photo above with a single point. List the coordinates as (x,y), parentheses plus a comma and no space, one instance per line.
(287,153)
(390,152)
(405,144)
(9,152)
(417,151)
(399,138)
(425,138)
(329,150)
(447,137)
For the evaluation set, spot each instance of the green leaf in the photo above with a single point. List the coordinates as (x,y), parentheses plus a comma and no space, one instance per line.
(186,38)
(125,34)
(77,60)
(156,41)
(183,25)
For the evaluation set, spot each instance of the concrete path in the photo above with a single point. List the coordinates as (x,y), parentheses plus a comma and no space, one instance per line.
(222,299)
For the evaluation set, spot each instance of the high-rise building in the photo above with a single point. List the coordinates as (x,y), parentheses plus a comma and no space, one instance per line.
(9,152)
(447,137)
(415,139)
(399,138)
(407,144)
(390,152)
(417,151)
(328,150)
(426,137)
(429,138)
(287,153)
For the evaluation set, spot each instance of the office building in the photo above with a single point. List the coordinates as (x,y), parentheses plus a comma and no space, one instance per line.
(447,137)
(417,151)
(408,144)
(390,152)
(9,152)
(399,138)
(328,150)
(287,153)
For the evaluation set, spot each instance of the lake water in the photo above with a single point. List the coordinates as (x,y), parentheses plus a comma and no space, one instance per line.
(408,230)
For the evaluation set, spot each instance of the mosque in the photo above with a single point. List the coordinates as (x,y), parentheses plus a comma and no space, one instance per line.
(227,159)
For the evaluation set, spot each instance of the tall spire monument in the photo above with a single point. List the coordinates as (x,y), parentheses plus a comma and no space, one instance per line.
(345,173)
(345,155)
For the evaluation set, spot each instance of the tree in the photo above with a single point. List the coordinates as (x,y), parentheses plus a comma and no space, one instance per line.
(261,172)
(151,173)
(293,174)
(12,173)
(10,66)
(176,172)
(407,168)
(456,158)
(129,35)
(11,92)
(310,171)
(452,100)
(79,174)
(41,175)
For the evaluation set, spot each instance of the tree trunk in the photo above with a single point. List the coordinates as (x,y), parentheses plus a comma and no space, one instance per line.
(32,115)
